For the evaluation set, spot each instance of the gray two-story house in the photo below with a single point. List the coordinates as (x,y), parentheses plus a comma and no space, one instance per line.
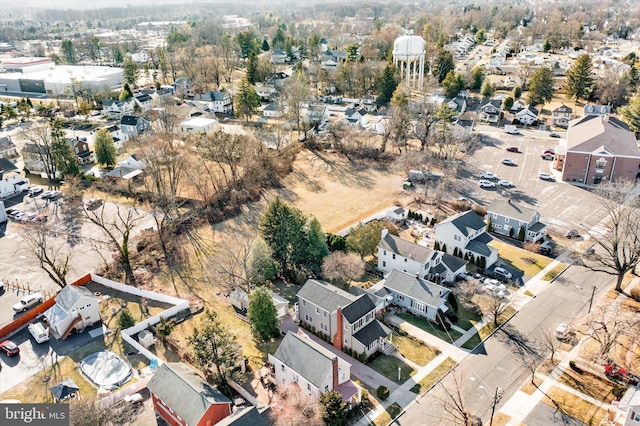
(516,221)
(348,321)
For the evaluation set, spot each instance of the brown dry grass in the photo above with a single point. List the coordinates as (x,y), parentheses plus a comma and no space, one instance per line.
(575,407)
(588,384)
(500,419)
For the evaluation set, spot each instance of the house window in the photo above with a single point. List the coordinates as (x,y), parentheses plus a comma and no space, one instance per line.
(304,303)
(384,264)
(393,256)
(384,252)
(317,310)
(601,163)
(400,297)
(326,388)
(405,259)
(282,367)
(345,340)
(309,387)
(497,226)
(346,326)
(506,219)
(324,313)
(308,318)
(635,416)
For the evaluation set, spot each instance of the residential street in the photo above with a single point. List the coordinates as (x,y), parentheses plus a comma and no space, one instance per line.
(505,358)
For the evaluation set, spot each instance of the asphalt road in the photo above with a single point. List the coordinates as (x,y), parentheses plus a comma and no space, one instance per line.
(505,358)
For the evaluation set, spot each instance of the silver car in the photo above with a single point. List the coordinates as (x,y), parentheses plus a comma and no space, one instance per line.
(28,302)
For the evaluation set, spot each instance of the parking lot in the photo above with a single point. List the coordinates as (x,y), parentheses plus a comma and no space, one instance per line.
(562,206)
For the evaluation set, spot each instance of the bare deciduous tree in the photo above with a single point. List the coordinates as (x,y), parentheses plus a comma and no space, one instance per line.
(53,253)
(496,306)
(341,268)
(607,327)
(453,403)
(300,410)
(39,135)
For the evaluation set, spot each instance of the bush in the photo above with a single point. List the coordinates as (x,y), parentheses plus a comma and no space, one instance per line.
(382,392)
(532,247)
(618,391)
(125,320)
(635,293)
(575,367)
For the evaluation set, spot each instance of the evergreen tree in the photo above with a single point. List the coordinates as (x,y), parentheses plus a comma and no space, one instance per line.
(334,409)
(489,224)
(260,265)
(521,233)
(246,100)
(541,86)
(126,92)
(118,57)
(252,68)
(517,92)
(436,246)
(314,249)
(265,45)
(262,314)
(443,64)
(130,71)
(69,51)
(213,346)
(64,158)
(507,103)
(386,84)
(104,148)
(547,45)
(476,78)
(487,89)
(580,82)
(631,115)
(453,84)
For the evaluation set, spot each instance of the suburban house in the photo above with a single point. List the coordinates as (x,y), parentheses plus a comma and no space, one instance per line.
(396,214)
(458,105)
(116,109)
(216,101)
(117,135)
(266,93)
(419,296)
(348,321)
(561,116)
(181,397)
(133,126)
(314,369)
(279,57)
(597,109)
(278,79)
(316,113)
(34,157)
(464,235)
(8,149)
(515,221)
(272,110)
(628,413)
(127,169)
(11,182)
(527,115)
(490,110)
(462,129)
(76,308)
(144,101)
(599,148)
(198,125)
(354,113)
(80,147)
(395,253)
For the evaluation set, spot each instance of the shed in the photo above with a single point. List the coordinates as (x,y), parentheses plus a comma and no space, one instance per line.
(146,339)
(239,299)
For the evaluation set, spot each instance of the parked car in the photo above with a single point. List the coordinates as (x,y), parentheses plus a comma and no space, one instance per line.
(513,149)
(488,175)
(506,183)
(94,203)
(554,135)
(35,191)
(562,331)
(550,151)
(547,156)
(9,348)
(39,332)
(545,248)
(486,184)
(547,177)
(28,301)
(508,162)
(572,234)
(502,273)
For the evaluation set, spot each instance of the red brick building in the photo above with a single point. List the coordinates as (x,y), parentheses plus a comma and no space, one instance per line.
(599,149)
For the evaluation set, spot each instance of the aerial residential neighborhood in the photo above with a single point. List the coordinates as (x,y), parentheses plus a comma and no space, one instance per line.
(305,213)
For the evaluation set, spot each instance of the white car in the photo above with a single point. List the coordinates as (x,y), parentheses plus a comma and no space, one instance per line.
(486,184)
(562,331)
(506,183)
(502,273)
(28,302)
(508,162)
(547,177)
(488,175)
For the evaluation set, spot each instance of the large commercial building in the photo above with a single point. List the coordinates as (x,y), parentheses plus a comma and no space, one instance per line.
(40,77)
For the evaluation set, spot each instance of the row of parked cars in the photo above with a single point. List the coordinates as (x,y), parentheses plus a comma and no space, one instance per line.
(18,215)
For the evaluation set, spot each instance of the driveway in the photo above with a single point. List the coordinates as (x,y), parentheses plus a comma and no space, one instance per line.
(365,374)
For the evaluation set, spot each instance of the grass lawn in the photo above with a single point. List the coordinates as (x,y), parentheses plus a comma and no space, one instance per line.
(467,317)
(576,407)
(450,336)
(485,331)
(417,352)
(526,261)
(554,272)
(431,378)
(388,366)
(391,412)
(589,384)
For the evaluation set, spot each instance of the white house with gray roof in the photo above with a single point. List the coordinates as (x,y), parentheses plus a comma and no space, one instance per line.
(397,253)
(507,218)
(346,320)
(465,234)
(313,368)
(421,297)
(76,308)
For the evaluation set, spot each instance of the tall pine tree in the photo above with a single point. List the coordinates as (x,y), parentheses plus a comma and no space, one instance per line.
(580,82)
(386,84)
(246,101)
(541,86)
(104,148)
(63,156)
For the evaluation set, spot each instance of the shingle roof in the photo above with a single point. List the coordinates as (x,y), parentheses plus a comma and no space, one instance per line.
(247,416)
(464,123)
(511,210)
(325,295)
(562,109)
(305,357)
(416,288)
(537,227)
(6,143)
(372,332)
(453,263)
(463,221)
(184,391)
(601,132)
(358,308)
(70,294)
(479,244)
(406,248)
(129,120)
(6,165)
(143,98)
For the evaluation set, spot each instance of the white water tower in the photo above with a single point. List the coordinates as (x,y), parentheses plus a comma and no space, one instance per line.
(408,54)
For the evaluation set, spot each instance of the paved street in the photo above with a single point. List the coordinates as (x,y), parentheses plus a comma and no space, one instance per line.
(504,359)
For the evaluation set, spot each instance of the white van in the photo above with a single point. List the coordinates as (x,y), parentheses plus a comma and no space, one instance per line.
(39,332)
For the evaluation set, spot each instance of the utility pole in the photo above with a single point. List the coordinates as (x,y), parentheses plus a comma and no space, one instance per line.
(496,398)
(593,292)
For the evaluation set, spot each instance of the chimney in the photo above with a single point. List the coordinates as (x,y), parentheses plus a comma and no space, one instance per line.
(337,338)
(334,371)
(385,231)
(417,274)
